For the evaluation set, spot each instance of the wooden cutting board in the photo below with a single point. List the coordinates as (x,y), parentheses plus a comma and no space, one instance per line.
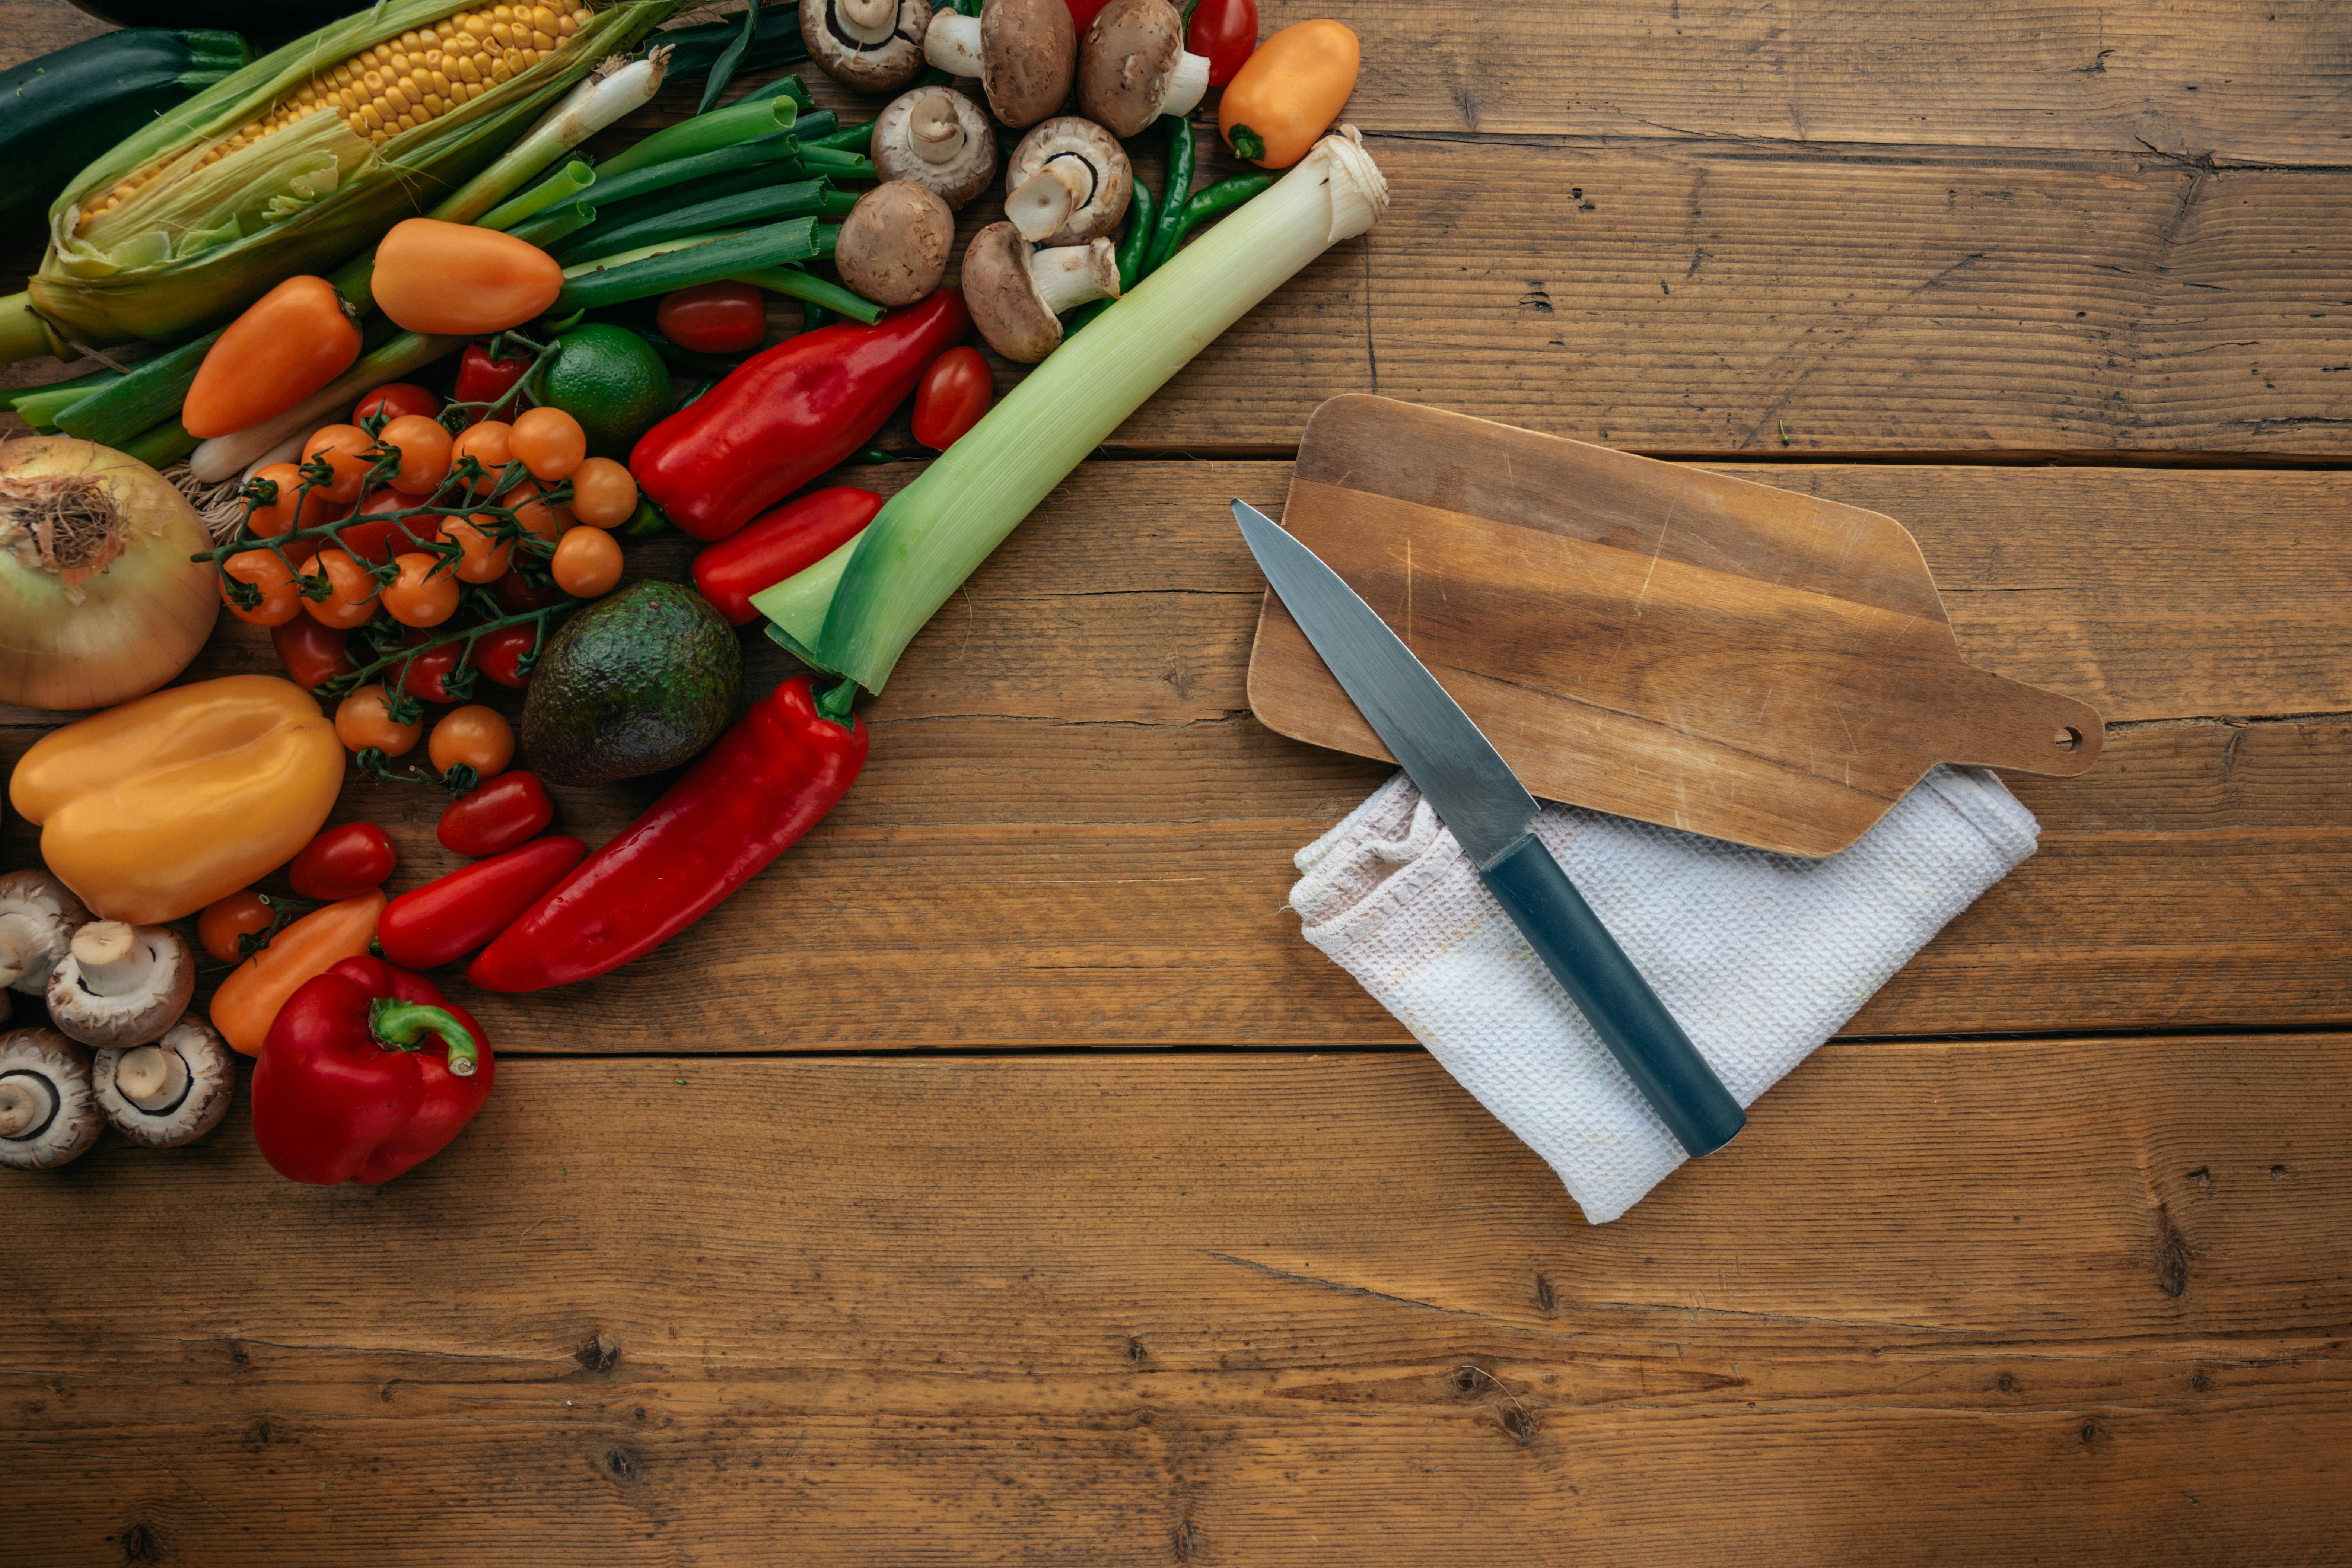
(1644,637)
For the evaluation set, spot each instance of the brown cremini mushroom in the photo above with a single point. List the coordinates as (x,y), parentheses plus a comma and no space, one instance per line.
(893,247)
(1022,51)
(121,985)
(38,920)
(1133,67)
(937,137)
(1068,183)
(874,46)
(49,1112)
(1017,295)
(170,1093)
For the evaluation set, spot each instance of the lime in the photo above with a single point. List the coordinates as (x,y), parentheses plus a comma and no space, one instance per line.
(610,380)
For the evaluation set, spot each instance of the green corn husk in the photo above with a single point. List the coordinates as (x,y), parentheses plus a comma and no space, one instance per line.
(193,246)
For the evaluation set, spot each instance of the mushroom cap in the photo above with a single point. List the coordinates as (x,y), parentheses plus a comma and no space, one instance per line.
(125,1002)
(1110,177)
(893,247)
(38,920)
(956,181)
(47,1107)
(196,1095)
(1004,301)
(1130,51)
(1028,52)
(884,67)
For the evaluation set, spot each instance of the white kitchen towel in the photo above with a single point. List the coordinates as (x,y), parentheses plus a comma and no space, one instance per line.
(1760,957)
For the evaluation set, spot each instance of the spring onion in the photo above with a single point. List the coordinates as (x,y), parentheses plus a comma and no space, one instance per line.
(806,199)
(816,294)
(705,133)
(683,263)
(855,612)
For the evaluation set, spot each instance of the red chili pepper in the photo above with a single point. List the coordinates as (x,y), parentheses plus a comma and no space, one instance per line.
(500,654)
(768,779)
(954,394)
(313,652)
(450,917)
(786,415)
(481,379)
(791,538)
(1083,12)
(714,318)
(342,863)
(496,817)
(367,1070)
(1226,31)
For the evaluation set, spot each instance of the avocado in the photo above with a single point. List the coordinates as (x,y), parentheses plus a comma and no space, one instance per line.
(637,682)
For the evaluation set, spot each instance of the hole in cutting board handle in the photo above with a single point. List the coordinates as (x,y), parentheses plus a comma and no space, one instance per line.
(2068,738)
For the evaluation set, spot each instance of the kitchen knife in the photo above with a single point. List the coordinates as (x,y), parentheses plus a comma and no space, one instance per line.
(1476,795)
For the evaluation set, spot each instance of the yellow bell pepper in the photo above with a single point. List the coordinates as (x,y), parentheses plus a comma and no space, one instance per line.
(152,810)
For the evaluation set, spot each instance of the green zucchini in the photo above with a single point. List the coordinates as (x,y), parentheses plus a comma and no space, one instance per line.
(63,111)
(280,18)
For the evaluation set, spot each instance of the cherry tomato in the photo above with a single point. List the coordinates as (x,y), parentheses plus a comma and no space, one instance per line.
(481,379)
(363,722)
(397,400)
(281,601)
(425,677)
(952,397)
(516,592)
(500,655)
(312,651)
(342,862)
(496,817)
(423,448)
(351,598)
(424,594)
(381,540)
(225,920)
(490,444)
(549,443)
(1226,31)
(535,515)
(714,318)
(487,556)
(587,562)
(604,495)
(269,521)
(347,447)
(476,736)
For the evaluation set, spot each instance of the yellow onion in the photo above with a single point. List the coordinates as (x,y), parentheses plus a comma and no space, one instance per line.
(98,600)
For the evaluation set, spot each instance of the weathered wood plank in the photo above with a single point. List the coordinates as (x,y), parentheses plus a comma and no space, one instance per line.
(1280,1309)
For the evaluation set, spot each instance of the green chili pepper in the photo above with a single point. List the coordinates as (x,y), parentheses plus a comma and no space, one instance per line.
(1180,188)
(1222,196)
(1131,250)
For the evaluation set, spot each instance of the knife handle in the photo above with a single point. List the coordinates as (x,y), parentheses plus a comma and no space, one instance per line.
(1612,997)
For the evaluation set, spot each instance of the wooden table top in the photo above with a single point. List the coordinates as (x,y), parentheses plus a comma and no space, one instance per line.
(1001,1178)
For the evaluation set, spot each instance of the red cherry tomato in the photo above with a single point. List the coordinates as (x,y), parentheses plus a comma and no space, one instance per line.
(714,318)
(496,817)
(312,652)
(380,540)
(952,397)
(426,672)
(1226,31)
(396,400)
(515,594)
(481,379)
(764,552)
(500,654)
(342,862)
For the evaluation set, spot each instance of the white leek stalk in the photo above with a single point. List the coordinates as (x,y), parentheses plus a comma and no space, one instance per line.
(855,612)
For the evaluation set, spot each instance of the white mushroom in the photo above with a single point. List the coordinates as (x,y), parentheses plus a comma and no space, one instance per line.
(170,1093)
(1068,183)
(38,920)
(121,985)
(1017,295)
(937,137)
(894,245)
(874,46)
(49,1113)
(1022,51)
(1133,67)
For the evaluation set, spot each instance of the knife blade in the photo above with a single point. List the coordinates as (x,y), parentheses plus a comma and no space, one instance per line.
(1480,799)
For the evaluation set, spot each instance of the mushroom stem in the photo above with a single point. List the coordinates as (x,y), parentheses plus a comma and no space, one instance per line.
(113,961)
(868,21)
(935,132)
(951,44)
(12,960)
(27,1103)
(152,1078)
(1044,202)
(1187,85)
(1069,276)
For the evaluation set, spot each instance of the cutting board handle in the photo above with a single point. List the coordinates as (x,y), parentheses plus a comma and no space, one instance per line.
(1997,723)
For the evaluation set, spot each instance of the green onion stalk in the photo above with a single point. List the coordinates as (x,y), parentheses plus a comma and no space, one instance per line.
(687,260)
(803,198)
(854,613)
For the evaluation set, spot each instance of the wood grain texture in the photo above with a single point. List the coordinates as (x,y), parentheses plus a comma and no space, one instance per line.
(1264,1309)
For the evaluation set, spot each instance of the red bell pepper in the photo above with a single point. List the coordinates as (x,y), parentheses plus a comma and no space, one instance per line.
(793,537)
(787,414)
(367,1070)
(496,817)
(768,779)
(450,917)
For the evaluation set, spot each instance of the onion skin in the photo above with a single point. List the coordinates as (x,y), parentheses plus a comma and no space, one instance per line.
(91,639)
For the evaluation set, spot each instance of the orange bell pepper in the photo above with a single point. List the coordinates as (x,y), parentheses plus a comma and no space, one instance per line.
(1288,93)
(288,344)
(248,1002)
(455,280)
(154,809)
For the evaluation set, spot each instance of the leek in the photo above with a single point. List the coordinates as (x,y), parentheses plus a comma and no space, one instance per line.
(855,612)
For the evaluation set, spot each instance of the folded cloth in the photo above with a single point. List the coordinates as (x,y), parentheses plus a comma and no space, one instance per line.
(1759,957)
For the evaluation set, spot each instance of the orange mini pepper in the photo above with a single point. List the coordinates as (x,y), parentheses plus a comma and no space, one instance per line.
(248,1001)
(288,344)
(456,278)
(1288,93)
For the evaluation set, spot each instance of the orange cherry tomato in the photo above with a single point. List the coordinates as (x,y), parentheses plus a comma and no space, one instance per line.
(459,280)
(587,562)
(476,736)
(347,446)
(281,600)
(225,920)
(425,593)
(549,443)
(1287,94)
(351,598)
(423,448)
(486,557)
(604,495)
(363,722)
(288,344)
(490,444)
(535,515)
(278,517)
